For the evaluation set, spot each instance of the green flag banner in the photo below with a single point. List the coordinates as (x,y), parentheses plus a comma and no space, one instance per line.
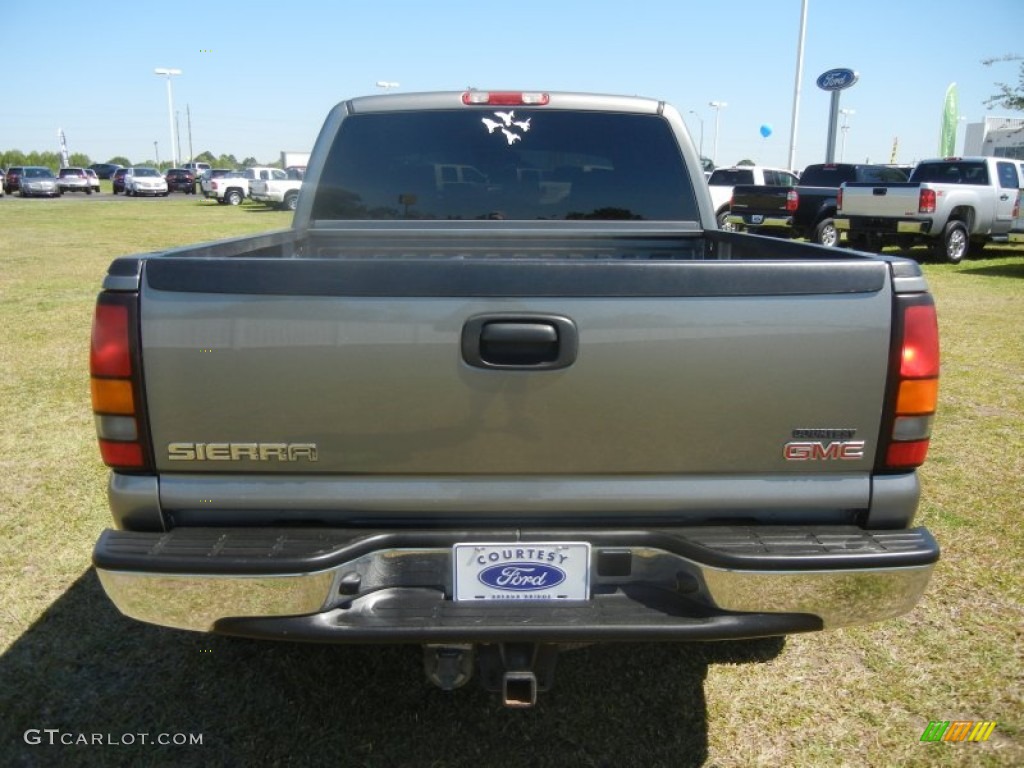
(950,117)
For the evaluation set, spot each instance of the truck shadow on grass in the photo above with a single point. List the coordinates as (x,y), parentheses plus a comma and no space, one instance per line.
(992,252)
(996,270)
(84,669)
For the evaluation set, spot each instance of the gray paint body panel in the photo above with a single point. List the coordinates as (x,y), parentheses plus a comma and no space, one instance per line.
(660,386)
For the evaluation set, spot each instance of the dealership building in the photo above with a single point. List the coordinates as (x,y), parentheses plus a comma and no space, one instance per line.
(995,137)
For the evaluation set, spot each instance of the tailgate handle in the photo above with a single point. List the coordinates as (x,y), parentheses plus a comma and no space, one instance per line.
(519,341)
(879,191)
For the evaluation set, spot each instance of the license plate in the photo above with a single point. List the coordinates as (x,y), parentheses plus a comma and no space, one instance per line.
(756,218)
(522,571)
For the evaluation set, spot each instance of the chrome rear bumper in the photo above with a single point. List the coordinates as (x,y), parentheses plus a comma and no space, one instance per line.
(359,586)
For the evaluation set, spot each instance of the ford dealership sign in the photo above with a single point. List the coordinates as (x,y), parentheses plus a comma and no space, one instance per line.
(837,79)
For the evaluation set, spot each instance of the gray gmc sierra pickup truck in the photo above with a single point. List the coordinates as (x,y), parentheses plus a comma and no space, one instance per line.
(504,386)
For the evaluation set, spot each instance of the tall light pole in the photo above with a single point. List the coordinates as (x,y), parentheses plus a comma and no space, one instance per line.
(718,106)
(845,128)
(177,134)
(167,72)
(796,86)
(701,150)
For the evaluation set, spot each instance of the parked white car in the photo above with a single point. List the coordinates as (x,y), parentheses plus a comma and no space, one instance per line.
(722,181)
(74,180)
(144,181)
(94,180)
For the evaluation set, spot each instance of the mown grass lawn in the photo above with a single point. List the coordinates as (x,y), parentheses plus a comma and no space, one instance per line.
(861,696)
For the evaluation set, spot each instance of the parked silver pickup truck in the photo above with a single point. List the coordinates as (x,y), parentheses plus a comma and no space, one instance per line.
(280,190)
(949,204)
(503,386)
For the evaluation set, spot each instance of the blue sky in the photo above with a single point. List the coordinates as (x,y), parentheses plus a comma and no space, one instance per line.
(259,77)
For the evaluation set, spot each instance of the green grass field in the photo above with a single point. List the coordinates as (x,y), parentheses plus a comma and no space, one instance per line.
(858,697)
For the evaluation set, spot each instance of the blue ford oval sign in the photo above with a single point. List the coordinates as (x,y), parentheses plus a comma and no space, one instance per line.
(522,577)
(837,79)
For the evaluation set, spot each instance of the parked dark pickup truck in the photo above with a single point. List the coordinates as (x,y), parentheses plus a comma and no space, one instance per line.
(503,386)
(806,210)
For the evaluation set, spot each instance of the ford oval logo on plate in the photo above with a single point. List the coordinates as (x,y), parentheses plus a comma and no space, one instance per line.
(522,577)
(837,79)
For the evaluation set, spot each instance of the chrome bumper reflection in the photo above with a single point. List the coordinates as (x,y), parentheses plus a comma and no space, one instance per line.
(838,598)
(194,601)
(197,601)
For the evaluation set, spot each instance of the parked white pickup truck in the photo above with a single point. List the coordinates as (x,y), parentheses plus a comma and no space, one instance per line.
(949,204)
(280,190)
(723,180)
(234,187)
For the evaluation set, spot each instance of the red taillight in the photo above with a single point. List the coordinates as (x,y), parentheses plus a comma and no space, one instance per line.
(506,98)
(907,455)
(1016,207)
(121,455)
(792,201)
(115,383)
(920,355)
(109,355)
(839,199)
(915,388)
(926,201)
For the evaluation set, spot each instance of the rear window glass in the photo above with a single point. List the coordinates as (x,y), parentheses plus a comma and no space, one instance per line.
(882,175)
(826,175)
(731,177)
(516,164)
(780,179)
(951,173)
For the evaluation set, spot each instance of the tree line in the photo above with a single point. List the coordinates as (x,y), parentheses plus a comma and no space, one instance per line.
(52,160)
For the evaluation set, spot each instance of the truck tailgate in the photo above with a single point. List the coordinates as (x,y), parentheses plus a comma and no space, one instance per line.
(886,200)
(359,367)
(760,199)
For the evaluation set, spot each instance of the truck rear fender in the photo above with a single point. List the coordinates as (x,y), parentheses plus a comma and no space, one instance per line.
(826,210)
(966,214)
